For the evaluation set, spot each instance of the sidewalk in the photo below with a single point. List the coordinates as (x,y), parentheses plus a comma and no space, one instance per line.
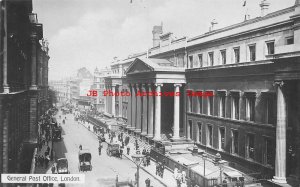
(41,169)
(168,179)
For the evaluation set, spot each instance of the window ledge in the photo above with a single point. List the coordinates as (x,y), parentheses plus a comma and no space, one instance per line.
(243,122)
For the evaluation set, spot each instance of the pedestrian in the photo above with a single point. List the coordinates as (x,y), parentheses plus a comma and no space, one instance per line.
(144,152)
(121,152)
(47,159)
(128,149)
(183,174)
(148,158)
(175,173)
(147,181)
(53,169)
(157,169)
(162,169)
(99,149)
(36,161)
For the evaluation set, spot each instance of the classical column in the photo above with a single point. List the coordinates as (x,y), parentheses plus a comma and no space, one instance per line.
(33,62)
(113,101)
(280,161)
(157,134)
(120,102)
(105,100)
(40,66)
(129,106)
(145,105)
(133,114)
(138,109)
(176,112)
(150,112)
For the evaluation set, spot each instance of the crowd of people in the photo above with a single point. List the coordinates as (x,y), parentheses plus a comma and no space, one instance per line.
(45,153)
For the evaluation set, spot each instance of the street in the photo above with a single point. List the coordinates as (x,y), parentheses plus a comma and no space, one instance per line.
(105,168)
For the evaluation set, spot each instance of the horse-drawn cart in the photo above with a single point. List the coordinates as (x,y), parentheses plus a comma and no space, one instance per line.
(85,158)
(113,149)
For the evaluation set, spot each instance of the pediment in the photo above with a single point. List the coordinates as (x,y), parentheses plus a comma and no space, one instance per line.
(139,66)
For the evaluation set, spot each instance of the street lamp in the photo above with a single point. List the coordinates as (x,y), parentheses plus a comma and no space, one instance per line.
(217,162)
(204,156)
(137,159)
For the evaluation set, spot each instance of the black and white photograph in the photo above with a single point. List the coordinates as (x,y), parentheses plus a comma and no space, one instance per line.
(150,93)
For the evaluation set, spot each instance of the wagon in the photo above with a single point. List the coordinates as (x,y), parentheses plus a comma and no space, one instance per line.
(113,149)
(57,133)
(62,166)
(85,158)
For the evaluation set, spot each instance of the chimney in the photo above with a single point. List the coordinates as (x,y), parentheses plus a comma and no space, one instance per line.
(264,5)
(157,30)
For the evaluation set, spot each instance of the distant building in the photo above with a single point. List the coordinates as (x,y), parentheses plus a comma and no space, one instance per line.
(62,90)
(99,86)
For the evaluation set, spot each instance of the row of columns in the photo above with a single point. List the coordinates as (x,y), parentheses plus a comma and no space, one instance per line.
(144,112)
(143,118)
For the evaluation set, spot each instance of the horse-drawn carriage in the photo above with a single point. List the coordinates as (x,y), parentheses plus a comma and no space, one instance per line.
(57,133)
(85,158)
(62,166)
(113,149)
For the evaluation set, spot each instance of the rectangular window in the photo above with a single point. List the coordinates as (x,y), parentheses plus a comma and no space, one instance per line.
(221,138)
(221,105)
(290,40)
(199,137)
(235,106)
(268,152)
(270,48)
(270,109)
(250,146)
(211,58)
(250,108)
(210,105)
(190,130)
(190,102)
(235,142)
(236,54)
(223,57)
(191,62)
(200,59)
(252,52)
(200,101)
(209,135)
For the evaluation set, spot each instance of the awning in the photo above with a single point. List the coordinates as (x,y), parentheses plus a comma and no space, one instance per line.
(233,174)
(200,170)
(185,161)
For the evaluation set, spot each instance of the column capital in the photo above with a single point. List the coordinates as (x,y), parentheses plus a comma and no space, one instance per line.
(158,84)
(278,83)
(177,85)
(143,87)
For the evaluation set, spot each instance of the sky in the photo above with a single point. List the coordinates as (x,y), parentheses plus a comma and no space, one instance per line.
(90,33)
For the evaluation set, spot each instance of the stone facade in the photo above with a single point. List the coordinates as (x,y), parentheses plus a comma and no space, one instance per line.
(24,84)
(252,70)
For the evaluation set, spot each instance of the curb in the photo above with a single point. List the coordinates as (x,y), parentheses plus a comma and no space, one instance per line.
(154,176)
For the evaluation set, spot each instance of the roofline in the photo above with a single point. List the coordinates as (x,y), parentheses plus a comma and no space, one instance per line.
(248,22)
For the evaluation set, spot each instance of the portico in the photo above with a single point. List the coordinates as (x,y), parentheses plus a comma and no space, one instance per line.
(155,86)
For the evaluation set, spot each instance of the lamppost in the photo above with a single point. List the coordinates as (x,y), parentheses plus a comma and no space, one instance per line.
(218,162)
(204,156)
(137,159)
